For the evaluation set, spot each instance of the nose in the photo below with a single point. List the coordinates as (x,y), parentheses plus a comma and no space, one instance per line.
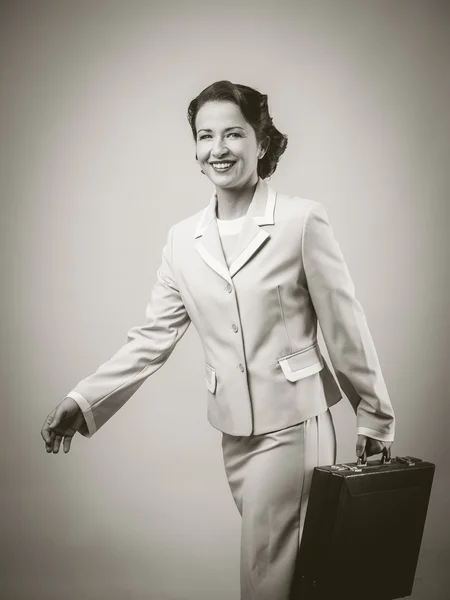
(219,148)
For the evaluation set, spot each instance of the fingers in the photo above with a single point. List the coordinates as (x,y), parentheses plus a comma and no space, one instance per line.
(45,431)
(374,447)
(370,445)
(361,445)
(49,445)
(66,443)
(57,444)
(52,433)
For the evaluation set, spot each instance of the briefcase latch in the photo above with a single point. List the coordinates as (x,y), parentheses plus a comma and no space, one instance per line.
(407,460)
(344,467)
(352,468)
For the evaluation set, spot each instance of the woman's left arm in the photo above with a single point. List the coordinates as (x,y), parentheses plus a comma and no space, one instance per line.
(346,333)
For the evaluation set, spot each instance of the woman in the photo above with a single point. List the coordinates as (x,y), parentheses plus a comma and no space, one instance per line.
(253,271)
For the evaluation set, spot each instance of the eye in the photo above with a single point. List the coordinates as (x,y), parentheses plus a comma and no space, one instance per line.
(235,133)
(201,137)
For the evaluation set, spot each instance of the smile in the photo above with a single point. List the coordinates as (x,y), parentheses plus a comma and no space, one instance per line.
(222,166)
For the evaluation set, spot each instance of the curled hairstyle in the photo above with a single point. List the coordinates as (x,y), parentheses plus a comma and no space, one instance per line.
(254,107)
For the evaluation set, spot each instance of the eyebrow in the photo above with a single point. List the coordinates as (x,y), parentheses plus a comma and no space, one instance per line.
(227,129)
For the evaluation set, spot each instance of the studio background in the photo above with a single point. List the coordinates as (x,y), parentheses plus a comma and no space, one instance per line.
(98,161)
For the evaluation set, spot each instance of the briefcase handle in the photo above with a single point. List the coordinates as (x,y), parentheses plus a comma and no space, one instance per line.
(385,459)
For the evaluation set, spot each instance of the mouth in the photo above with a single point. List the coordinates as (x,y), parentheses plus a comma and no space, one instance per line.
(222,166)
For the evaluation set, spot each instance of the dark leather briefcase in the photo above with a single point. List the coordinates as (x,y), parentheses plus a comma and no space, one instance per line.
(359,514)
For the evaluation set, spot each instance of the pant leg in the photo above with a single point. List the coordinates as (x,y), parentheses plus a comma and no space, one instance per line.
(270,477)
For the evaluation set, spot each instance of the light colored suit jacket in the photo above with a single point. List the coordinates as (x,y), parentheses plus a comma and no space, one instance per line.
(257,320)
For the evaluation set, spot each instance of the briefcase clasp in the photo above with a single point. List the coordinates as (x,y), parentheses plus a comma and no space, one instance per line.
(407,460)
(352,468)
(344,467)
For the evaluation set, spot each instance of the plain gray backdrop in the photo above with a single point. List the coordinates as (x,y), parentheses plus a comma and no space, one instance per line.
(98,161)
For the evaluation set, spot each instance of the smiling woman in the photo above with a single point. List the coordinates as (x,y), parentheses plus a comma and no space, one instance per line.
(255,271)
(227,150)
(236,140)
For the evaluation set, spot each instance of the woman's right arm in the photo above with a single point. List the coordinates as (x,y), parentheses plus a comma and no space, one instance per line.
(100,395)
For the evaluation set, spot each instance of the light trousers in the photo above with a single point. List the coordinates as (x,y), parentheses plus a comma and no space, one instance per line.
(270,478)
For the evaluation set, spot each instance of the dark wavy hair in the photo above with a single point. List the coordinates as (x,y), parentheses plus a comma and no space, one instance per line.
(254,107)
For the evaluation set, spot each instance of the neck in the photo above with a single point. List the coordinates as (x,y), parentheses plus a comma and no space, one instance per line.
(234,203)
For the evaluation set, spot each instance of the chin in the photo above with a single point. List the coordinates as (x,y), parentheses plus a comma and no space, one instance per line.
(227,182)
(223,180)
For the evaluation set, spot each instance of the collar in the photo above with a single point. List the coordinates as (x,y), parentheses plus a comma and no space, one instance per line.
(261,208)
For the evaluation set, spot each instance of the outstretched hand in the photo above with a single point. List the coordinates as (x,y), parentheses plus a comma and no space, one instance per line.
(370,445)
(63,422)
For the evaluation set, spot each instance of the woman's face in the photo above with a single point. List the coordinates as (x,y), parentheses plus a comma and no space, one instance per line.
(227,149)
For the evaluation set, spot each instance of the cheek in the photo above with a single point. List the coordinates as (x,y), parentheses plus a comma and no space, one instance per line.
(201,151)
(247,152)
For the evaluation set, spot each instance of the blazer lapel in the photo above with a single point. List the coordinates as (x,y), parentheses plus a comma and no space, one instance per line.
(210,249)
(251,238)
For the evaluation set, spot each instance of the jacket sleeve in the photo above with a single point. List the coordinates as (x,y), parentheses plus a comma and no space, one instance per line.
(344,327)
(148,346)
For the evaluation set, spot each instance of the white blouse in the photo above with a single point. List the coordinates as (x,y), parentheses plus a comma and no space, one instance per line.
(229,231)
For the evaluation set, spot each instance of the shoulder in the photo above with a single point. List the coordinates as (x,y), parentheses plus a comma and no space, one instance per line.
(181,235)
(186,227)
(190,222)
(294,207)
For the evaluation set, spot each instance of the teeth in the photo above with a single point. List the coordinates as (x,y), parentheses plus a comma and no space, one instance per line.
(222,165)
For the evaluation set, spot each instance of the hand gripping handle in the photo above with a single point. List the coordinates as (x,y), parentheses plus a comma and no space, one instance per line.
(385,459)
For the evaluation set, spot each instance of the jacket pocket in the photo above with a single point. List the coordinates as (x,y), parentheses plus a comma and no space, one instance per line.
(302,363)
(211,379)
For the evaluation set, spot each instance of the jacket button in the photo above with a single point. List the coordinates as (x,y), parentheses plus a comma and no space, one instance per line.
(235,328)
(229,288)
(241,367)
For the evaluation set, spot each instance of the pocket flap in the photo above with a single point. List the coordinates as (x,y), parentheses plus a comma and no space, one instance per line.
(211,379)
(301,364)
